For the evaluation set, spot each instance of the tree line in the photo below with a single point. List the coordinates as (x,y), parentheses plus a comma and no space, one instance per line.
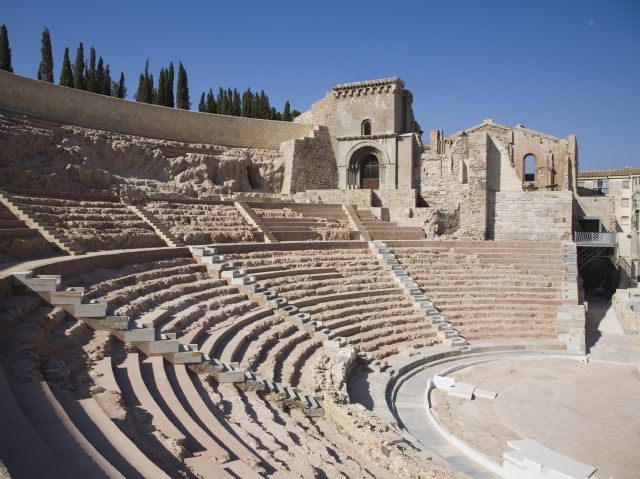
(249,105)
(95,76)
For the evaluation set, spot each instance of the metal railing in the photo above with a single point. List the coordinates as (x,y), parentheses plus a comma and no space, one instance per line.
(607,240)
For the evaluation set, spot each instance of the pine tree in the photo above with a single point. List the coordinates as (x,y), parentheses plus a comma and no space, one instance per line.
(5,51)
(211,106)
(99,76)
(66,74)
(237,105)
(106,82)
(170,98)
(160,94)
(122,90)
(182,89)
(202,106)
(90,75)
(286,115)
(45,71)
(79,81)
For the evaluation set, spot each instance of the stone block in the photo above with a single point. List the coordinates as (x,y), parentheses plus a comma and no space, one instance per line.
(461,390)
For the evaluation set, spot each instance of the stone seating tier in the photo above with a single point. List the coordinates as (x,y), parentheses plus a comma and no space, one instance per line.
(92,224)
(203,223)
(490,291)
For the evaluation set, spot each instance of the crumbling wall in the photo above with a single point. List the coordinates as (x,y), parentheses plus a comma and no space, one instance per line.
(50,156)
(322,112)
(309,163)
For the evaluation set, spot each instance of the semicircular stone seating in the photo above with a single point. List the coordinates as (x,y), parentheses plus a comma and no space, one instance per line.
(345,288)
(501,290)
(138,416)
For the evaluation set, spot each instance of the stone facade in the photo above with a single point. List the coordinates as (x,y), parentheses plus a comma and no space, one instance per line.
(520,215)
(371,120)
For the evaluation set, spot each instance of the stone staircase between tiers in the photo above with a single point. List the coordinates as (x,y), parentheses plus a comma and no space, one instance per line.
(254,220)
(356,222)
(26,214)
(386,230)
(150,341)
(446,332)
(161,230)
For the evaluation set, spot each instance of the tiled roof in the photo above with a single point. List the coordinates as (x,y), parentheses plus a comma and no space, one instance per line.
(608,173)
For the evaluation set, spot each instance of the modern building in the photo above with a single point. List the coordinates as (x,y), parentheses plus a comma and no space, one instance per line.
(607,196)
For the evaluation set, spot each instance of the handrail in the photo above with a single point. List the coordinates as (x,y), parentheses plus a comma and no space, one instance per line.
(582,238)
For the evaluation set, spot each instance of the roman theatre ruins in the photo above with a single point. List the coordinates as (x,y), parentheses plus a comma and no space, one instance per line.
(196,295)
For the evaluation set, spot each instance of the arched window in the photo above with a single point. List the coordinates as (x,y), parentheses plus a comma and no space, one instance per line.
(366,128)
(370,173)
(529,167)
(464,174)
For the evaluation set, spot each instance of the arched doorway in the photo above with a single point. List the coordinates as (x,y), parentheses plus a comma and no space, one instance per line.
(366,167)
(369,173)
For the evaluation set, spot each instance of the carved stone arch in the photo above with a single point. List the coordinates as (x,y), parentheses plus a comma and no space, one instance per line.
(360,153)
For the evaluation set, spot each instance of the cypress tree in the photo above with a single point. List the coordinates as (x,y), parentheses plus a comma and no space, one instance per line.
(202,106)
(149,90)
(286,115)
(106,82)
(161,98)
(247,103)
(66,74)
(237,105)
(182,89)
(273,114)
(265,109)
(99,76)
(5,51)
(90,76)
(122,90)
(140,91)
(79,81)
(256,105)
(228,98)
(170,98)
(45,71)
(211,106)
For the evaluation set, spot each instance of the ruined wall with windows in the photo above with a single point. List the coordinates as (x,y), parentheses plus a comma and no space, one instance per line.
(481,173)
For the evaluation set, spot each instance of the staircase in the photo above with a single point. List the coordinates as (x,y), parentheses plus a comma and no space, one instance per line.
(356,222)
(161,230)
(421,302)
(26,215)
(254,220)
(386,230)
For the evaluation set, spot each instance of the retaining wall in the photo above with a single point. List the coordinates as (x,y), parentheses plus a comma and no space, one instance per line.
(51,102)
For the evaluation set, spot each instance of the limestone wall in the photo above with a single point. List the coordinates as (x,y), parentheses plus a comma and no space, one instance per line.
(394,198)
(309,162)
(335,196)
(66,105)
(530,215)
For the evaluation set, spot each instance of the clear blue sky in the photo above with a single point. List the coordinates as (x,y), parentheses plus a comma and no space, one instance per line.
(557,66)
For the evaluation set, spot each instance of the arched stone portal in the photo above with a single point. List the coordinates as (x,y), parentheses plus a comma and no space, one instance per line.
(366,166)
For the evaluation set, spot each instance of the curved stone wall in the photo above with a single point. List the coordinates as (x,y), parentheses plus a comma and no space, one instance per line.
(47,101)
